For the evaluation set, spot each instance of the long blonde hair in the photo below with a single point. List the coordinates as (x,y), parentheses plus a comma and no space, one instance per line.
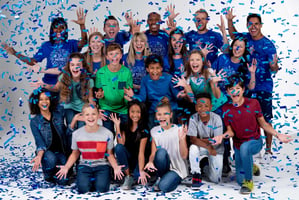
(66,80)
(131,53)
(89,53)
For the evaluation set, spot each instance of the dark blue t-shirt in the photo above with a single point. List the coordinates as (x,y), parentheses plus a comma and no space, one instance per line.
(158,43)
(56,55)
(210,37)
(121,38)
(178,66)
(264,51)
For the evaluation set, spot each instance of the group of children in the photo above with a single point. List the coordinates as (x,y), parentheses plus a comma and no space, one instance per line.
(143,95)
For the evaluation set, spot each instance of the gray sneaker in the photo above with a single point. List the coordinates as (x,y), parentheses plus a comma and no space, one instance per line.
(129,180)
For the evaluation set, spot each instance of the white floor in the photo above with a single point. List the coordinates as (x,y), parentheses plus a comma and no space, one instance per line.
(279,180)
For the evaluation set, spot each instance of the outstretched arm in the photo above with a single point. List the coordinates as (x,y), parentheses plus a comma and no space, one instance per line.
(62,173)
(81,16)
(10,50)
(231,28)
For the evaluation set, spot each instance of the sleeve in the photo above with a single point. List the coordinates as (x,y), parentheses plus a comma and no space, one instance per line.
(258,110)
(218,127)
(130,79)
(215,64)
(98,83)
(74,141)
(110,140)
(174,90)
(166,66)
(192,129)
(40,54)
(143,91)
(218,40)
(39,141)
(91,83)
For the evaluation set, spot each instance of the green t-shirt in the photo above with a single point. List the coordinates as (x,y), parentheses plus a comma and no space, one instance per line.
(112,84)
(76,103)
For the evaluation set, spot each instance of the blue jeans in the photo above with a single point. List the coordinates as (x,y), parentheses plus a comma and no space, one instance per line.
(49,162)
(69,115)
(109,124)
(124,158)
(98,176)
(169,179)
(244,160)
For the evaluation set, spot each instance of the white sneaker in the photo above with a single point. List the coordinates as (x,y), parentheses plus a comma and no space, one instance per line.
(267,158)
(129,180)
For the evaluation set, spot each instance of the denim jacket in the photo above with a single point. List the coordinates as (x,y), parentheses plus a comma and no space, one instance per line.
(41,130)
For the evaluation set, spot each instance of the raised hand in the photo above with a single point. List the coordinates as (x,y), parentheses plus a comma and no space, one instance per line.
(92,30)
(128,92)
(37,84)
(115,120)
(222,25)
(215,78)
(81,16)
(179,81)
(183,132)
(102,115)
(229,14)
(207,49)
(252,68)
(273,63)
(99,94)
(34,68)
(171,12)
(129,18)
(135,27)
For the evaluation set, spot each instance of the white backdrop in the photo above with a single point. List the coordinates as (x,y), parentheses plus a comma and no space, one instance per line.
(25,24)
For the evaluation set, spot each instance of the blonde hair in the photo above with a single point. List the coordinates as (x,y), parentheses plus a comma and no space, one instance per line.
(131,53)
(89,53)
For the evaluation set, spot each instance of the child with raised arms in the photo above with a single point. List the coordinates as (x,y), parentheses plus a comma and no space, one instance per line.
(169,150)
(131,145)
(111,80)
(243,119)
(94,144)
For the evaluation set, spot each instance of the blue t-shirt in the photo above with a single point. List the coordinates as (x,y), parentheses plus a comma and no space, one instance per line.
(96,66)
(158,43)
(264,51)
(178,66)
(210,37)
(153,91)
(56,55)
(122,37)
(138,70)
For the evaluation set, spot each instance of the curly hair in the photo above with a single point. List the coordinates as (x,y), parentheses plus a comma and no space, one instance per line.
(59,21)
(34,100)
(66,87)
(89,53)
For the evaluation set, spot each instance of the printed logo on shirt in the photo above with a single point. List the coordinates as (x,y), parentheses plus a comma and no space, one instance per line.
(59,57)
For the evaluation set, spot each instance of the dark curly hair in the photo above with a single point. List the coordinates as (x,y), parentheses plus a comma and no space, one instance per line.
(55,23)
(34,99)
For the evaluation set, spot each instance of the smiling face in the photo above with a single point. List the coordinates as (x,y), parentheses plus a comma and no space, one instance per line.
(153,22)
(135,113)
(254,27)
(164,115)
(238,48)
(59,32)
(76,67)
(111,28)
(196,63)
(201,21)
(91,116)
(114,57)
(139,45)
(155,71)
(96,44)
(203,108)
(236,93)
(44,102)
(176,43)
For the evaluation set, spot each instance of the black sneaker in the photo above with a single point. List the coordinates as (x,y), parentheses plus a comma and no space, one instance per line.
(226,170)
(196,181)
